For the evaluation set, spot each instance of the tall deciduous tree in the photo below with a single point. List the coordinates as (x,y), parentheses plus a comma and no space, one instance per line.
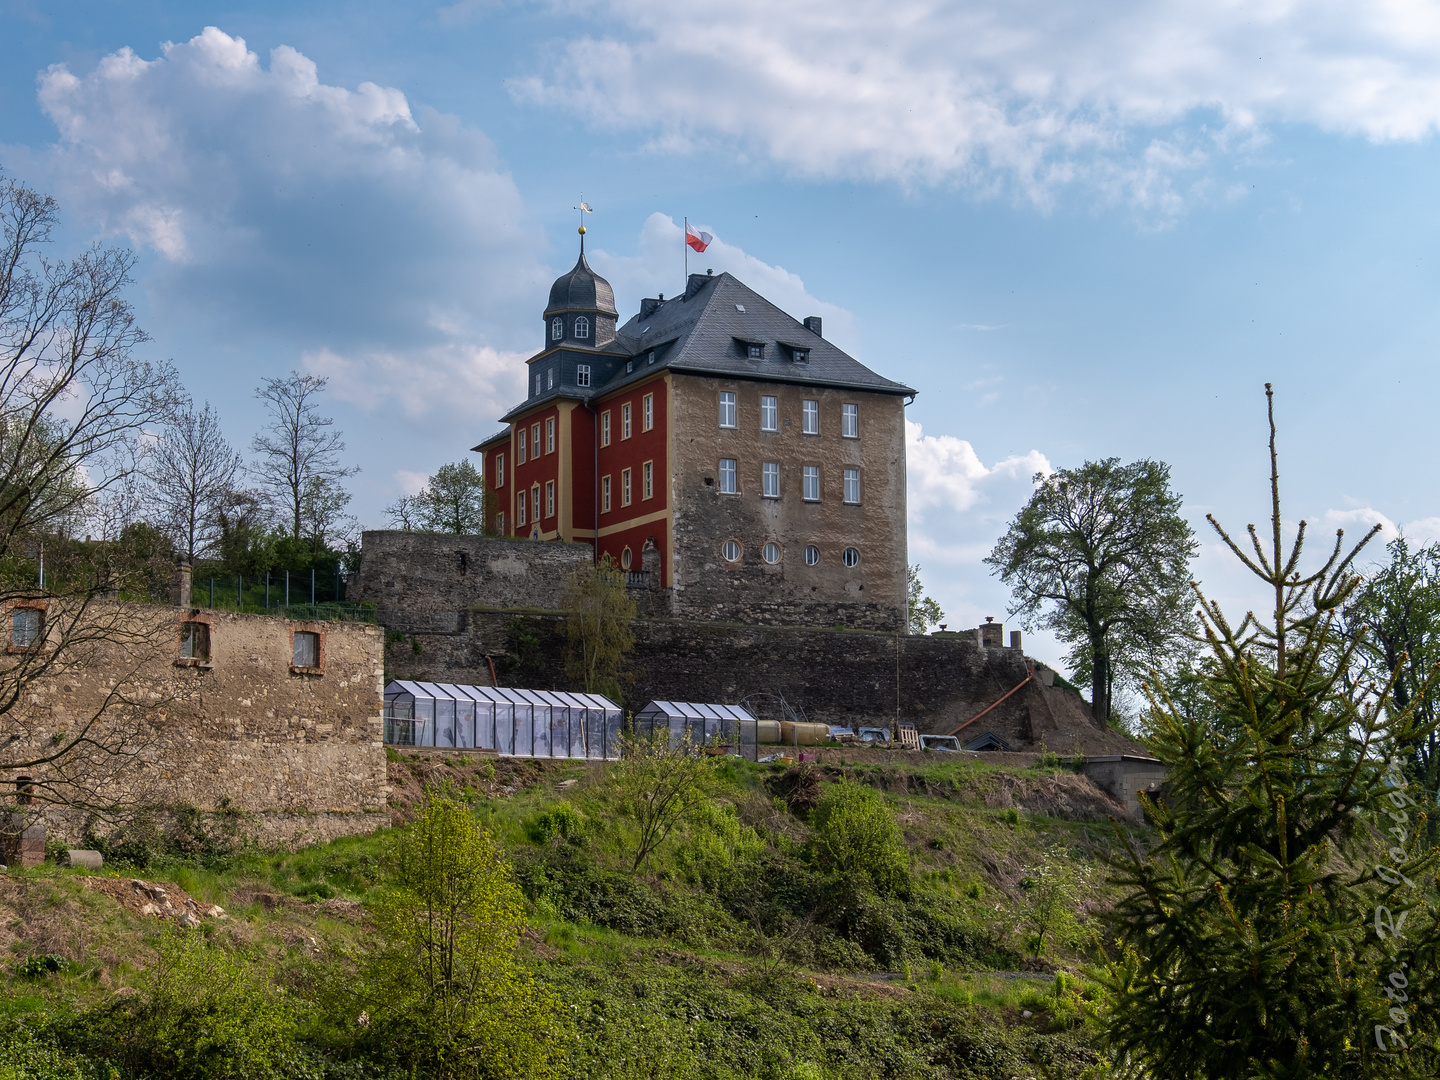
(453,500)
(297,456)
(923,611)
(1284,923)
(191,470)
(597,630)
(1101,555)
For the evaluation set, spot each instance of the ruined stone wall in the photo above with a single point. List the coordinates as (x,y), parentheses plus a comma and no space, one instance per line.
(297,751)
(836,676)
(422,581)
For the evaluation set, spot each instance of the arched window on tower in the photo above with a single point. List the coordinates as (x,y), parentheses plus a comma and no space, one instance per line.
(582,327)
(557,328)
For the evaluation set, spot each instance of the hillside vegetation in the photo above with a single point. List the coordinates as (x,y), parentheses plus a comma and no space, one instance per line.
(872,920)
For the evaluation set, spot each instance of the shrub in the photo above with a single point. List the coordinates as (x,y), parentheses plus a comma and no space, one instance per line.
(561,820)
(856,838)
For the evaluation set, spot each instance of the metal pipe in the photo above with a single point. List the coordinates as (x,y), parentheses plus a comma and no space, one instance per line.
(987,708)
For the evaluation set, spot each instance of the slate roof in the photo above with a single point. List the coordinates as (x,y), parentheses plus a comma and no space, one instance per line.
(581,290)
(701,328)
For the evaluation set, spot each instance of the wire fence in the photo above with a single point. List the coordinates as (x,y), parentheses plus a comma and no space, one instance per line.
(298,594)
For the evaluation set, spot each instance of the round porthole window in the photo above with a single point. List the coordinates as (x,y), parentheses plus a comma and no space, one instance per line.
(852,556)
(771,552)
(731,551)
(625,559)
(812,555)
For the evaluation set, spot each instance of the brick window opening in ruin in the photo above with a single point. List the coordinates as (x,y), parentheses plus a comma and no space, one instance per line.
(727,477)
(195,641)
(499,470)
(810,414)
(647,480)
(625,421)
(769,414)
(582,374)
(306,651)
(731,551)
(626,559)
(771,553)
(549,498)
(727,409)
(605,428)
(852,485)
(770,480)
(812,555)
(605,494)
(557,331)
(647,421)
(850,421)
(26,624)
(550,436)
(520,509)
(534,441)
(624,487)
(812,483)
(852,557)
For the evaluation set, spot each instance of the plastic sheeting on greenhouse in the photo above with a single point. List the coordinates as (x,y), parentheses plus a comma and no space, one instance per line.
(505,719)
(718,727)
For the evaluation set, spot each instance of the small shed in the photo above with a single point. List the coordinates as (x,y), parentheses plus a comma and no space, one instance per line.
(712,725)
(502,719)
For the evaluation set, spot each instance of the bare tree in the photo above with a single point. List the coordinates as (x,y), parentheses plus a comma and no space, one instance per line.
(191,470)
(74,400)
(298,454)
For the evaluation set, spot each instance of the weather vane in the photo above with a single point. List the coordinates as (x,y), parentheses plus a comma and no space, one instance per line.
(584,208)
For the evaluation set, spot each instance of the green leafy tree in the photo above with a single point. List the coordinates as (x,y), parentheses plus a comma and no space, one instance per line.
(1101,555)
(1283,923)
(924,612)
(856,837)
(453,500)
(598,636)
(1054,887)
(445,982)
(659,785)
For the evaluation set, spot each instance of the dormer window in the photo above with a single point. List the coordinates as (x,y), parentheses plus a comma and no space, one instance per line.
(651,358)
(582,327)
(800,356)
(755,352)
(557,328)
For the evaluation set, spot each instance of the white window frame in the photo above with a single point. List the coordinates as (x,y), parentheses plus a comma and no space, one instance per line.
(852,486)
(520,447)
(727,409)
(726,552)
(625,421)
(811,476)
(769,413)
(582,328)
(582,374)
(765,553)
(647,413)
(550,435)
(605,428)
(851,558)
(549,498)
(849,421)
(534,442)
(770,479)
(729,477)
(812,555)
(520,508)
(557,328)
(810,417)
(499,470)
(535,504)
(647,480)
(605,494)
(500,523)
(624,487)
(537,383)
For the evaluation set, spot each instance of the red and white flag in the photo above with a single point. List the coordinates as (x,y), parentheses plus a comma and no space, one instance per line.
(696,238)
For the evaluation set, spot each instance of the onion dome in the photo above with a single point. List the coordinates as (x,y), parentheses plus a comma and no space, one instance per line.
(582,290)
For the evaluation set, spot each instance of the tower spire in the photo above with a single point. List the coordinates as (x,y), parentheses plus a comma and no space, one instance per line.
(584,209)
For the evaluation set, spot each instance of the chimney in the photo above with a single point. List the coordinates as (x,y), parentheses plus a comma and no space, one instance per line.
(649,306)
(1015,642)
(694,283)
(812,323)
(992,633)
(180,584)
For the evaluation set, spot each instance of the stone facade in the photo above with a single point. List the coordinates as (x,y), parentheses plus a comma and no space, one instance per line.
(295,751)
(425,581)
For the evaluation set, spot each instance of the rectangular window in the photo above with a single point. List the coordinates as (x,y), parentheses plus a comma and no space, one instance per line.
(727,409)
(194,641)
(535,441)
(520,509)
(25,624)
(769,414)
(755,352)
(520,448)
(499,470)
(537,382)
(812,483)
(582,374)
(550,436)
(647,480)
(727,476)
(625,421)
(549,498)
(770,479)
(810,418)
(624,487)
(850,421)
(605,494)
(648,420)
(852,485)
(535,503)
(550,379)
(605,428)
(306,649)
(500,524)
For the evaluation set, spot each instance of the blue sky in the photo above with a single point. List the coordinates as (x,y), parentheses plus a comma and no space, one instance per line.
(1081,231)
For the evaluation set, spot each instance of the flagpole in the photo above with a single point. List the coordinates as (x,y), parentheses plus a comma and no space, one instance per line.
(685,240)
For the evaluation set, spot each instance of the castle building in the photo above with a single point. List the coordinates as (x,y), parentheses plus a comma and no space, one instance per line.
(724,453)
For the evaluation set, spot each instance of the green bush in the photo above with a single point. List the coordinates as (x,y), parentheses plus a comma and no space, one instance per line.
(560,820)
(856,838)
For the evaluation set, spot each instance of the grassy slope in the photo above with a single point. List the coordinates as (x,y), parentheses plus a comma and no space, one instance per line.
(669,973)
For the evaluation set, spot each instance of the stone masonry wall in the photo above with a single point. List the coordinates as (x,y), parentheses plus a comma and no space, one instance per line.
(424,581)
(836,676)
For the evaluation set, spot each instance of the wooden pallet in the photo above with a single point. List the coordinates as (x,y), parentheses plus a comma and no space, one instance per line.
(908,737)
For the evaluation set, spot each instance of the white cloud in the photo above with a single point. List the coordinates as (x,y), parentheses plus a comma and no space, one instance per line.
(946,472)
(659,264)
(377,241)
(1134,97)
